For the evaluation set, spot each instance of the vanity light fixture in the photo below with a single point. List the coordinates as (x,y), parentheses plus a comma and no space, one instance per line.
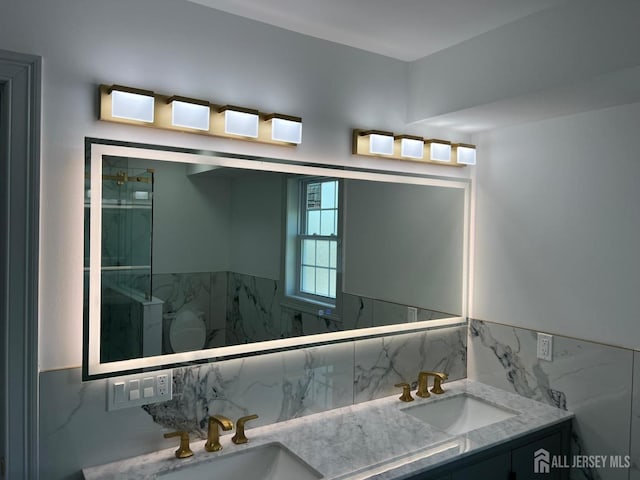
(134,106)
(380,142)
(411,146)
(439,150)
(464,154)
(377,143)
(190,113)
(132,103)
(285,128)
(240,121)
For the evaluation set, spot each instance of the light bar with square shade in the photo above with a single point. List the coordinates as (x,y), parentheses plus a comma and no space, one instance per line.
(380,142)
(439,150)
(465,154)
(240,121)
(189,113)
(411,146)
(132,103)
(285,128)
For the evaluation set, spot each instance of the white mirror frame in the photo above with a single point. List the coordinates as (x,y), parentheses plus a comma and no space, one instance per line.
(94,369)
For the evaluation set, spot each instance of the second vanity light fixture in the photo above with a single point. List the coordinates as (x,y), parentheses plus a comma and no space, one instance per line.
(135,106)
(378,143)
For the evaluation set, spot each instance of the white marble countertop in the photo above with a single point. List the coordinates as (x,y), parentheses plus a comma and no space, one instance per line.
(371,440)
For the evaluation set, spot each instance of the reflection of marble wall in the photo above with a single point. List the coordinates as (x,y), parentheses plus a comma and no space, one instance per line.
(241,308)
(199,292)
(253,309)
(362,312)
(589,379)
(76,431)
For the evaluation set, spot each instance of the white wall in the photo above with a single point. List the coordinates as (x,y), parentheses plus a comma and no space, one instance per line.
(185,49)
(256,224)
(558,226)
(565,46)
(191,221)
(413,258)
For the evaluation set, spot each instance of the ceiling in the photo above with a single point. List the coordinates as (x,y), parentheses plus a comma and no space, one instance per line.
(402,29)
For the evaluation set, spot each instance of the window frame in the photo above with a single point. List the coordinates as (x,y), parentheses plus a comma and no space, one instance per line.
(293,296)
(303,185)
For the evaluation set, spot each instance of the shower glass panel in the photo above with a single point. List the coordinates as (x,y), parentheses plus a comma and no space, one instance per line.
(127,219)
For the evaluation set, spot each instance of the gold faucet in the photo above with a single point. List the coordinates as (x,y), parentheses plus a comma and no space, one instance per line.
(213,437)
(240,437)
(423,383)
(184,450)
(406,392)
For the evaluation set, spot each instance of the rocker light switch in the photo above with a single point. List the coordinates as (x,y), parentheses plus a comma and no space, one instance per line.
(134,390)
(147,387)
(118,392)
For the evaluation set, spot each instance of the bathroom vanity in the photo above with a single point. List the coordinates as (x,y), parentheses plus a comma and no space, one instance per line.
(472,431)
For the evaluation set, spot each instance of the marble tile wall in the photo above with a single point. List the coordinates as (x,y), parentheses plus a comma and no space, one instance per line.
(253,309)
(76,431)
(592,380)
(204,293)
(383,362)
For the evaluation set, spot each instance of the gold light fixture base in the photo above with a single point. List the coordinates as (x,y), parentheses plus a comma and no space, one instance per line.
(163,116)
(360,146)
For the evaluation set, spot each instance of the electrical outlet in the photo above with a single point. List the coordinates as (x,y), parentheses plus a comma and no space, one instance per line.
(545,346)
(412,314)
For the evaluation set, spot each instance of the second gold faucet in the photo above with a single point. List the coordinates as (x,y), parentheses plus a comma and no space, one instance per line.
(218,421)
(423,383)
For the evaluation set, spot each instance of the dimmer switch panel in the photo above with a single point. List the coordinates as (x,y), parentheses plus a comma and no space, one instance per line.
(140,389)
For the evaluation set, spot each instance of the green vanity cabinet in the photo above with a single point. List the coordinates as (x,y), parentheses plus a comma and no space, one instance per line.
(512,460)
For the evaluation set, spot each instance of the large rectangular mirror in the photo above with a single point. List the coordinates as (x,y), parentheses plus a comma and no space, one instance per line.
(197,256)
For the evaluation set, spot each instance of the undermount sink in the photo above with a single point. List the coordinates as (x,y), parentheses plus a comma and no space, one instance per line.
(266,462)
(459,414)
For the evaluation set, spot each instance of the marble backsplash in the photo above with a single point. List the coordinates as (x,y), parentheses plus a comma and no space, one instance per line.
(592,380)
(76,431)
(239,308)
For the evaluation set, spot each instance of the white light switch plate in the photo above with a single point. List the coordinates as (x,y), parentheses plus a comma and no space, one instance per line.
(140,389)
(545,346)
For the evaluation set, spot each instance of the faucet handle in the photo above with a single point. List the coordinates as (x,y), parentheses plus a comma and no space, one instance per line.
(406,392)
(438,378)
(184,450)
(240,437)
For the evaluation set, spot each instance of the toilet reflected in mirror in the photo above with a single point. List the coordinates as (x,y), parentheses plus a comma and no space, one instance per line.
(183,331)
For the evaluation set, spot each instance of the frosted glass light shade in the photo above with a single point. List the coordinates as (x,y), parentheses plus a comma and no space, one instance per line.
(466,155)
(412,148)
(381,144)
(283,130)
(440,152)
(140,195)
(241,123)
(190,115)
(132,106)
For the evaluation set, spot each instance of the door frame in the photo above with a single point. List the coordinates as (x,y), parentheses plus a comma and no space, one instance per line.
(21,85)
